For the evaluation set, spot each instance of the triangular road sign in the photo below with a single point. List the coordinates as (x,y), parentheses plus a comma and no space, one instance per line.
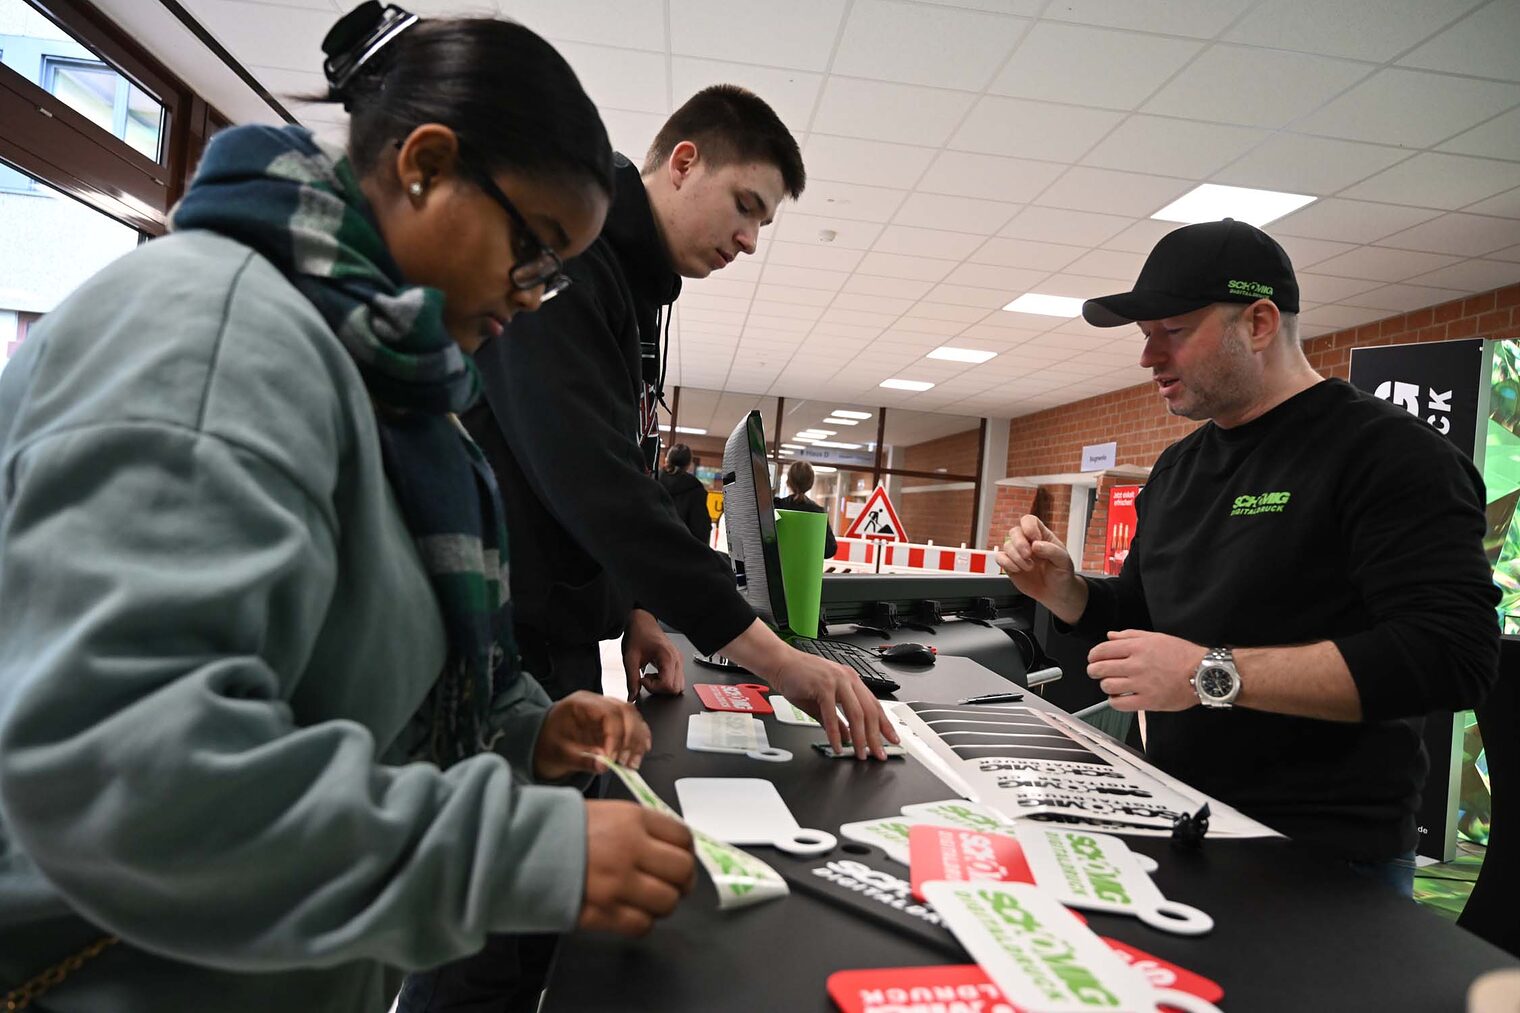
(877,519)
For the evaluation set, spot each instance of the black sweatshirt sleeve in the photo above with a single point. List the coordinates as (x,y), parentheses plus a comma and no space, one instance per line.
(1413,524)
(554,382)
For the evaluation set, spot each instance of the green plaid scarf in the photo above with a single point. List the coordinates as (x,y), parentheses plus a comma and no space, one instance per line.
(298,204)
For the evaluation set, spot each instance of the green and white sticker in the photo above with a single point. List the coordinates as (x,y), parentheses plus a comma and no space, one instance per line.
(741,878)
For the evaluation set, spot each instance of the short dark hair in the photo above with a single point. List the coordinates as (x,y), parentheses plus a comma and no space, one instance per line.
(511,98)
(678,458)
(799,477)
(730,124)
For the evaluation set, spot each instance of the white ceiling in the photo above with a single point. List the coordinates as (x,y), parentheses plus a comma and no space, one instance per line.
(967,151)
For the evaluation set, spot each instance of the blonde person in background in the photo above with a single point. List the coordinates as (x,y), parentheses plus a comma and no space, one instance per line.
(264,744)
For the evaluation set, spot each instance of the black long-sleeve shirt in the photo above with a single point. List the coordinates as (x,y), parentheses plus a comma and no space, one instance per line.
(566,403)
(1334,516)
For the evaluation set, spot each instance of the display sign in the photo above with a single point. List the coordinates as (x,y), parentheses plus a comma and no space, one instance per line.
(1100,456)
(877,519)
(1446,383)
(1121,527)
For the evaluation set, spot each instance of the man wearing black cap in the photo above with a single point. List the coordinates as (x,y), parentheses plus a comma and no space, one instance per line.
(1307,578)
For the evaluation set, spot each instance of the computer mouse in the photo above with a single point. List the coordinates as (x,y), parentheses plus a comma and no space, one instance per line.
(909,654)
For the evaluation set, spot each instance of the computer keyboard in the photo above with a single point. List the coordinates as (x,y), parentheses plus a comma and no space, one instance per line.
(861,660)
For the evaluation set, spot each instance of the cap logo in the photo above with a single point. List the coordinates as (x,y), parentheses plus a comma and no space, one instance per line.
(1251,288)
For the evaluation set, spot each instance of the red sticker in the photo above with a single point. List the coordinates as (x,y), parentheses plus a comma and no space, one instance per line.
(936,853)
(747,697)
(966,986)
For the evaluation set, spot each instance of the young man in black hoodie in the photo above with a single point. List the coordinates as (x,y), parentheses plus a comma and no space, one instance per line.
(1307,578)
(570,414)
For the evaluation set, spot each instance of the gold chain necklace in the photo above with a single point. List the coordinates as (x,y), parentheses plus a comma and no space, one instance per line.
(23,996)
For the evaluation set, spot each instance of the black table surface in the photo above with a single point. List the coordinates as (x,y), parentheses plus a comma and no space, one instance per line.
(1294,930)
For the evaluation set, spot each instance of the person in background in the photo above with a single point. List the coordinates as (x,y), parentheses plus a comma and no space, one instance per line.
(1307,577)
(799,479)
(263,741)
(686,492)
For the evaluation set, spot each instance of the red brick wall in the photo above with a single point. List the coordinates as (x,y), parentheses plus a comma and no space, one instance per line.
(943,518)
(955,453)
(1050,441)
(1012,502)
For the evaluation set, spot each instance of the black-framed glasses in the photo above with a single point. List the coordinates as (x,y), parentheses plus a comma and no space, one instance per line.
(538,264)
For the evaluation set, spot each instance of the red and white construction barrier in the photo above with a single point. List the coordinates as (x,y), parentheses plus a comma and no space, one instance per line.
(929,558)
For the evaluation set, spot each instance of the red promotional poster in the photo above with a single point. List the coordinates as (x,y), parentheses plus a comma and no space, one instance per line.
(1121,526)
(966,987)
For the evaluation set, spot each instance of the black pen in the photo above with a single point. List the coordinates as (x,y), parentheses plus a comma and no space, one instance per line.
(993,698)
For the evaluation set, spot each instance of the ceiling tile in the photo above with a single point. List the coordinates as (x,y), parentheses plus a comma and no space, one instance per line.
(913,242)
(948,48)
(800,277)
(889,112)
(1465,235)
(905,288)
(632,133)
(959,214)
(1296,163)
(1108,264)
(1376,263)
(1091,66)
(965,295)
(1512,255)
(1403,298)
(1176,147)
(766,309)
(1228,84)
(1111,192)
(896,306)
(774,294)
(1013,280)
(620,78)
(850,201)
(1308,252)
(1482,44)
(1376,30)
(825,256)
(1435,180)
(1014,126)
(891,265)
(853,160)
(1499,138)
(1323,288)
(1202,19)
(1082,287)
(861,318)
(245,30)
(1410,107)
(799,228)
(632,24)
(792,93)
(1058,225)
(1506,205)
(944,313)
(1350,220)
(990,177)
(1472,276)
(793,33)
(1142,236)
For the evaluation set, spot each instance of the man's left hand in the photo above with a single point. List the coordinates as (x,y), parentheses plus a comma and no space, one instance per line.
(644,643)
(586,722)
(1145,671)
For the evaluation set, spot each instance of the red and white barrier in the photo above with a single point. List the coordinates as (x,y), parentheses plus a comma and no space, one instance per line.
(928,558)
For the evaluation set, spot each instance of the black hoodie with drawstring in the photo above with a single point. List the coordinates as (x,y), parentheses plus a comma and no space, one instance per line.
(568,402)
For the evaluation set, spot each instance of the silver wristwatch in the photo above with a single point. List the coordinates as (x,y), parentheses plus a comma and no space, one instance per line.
(1217,681)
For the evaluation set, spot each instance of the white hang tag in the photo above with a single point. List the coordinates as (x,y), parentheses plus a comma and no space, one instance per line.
(788,713)
(1098,872)
(747,810)
(732,732)
(957,812)
(890,834)
(1040,955)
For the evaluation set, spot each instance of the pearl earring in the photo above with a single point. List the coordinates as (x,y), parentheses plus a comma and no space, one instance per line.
(415,189)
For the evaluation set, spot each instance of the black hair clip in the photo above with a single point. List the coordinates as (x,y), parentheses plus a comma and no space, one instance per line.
(1188,831)
(355,40)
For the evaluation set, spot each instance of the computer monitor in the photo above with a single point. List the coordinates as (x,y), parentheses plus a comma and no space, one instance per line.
(749,513)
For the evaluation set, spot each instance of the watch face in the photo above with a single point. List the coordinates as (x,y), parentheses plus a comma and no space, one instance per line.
(1216,683)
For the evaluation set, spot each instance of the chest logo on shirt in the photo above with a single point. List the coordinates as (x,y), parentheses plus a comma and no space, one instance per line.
(1261,503)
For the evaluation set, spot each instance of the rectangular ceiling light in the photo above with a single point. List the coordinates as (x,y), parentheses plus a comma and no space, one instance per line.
(841,422)
(837,446)
(689,431)
(896,384)
(816,432)
(806,439)
(952,354)
(793,446)
(1211,202)
(824,469)
(1046,305)
(850,415)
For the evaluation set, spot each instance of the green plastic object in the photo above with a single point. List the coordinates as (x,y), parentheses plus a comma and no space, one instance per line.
(799,535)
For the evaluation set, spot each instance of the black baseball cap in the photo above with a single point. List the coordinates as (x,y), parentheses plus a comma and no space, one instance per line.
(1198,265)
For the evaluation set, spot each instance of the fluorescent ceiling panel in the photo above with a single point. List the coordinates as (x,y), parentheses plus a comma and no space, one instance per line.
(953,354)
(1212,202)
(1046,305)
